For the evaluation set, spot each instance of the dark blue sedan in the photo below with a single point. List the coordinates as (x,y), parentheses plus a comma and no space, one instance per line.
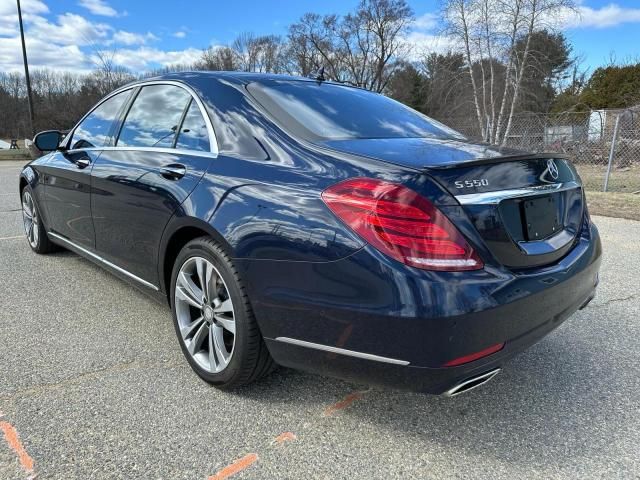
(317,226)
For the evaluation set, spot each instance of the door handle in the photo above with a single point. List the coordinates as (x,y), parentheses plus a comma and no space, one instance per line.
(82,162)
(174,171)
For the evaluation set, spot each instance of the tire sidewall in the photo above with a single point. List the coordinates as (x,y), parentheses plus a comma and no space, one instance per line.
(203,248)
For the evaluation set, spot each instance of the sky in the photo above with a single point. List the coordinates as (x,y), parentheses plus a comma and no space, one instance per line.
(146,34)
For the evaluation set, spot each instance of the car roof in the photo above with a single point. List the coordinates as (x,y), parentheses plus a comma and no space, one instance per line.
(241,77)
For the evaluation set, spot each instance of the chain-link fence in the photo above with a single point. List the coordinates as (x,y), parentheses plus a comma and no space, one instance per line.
(604,145)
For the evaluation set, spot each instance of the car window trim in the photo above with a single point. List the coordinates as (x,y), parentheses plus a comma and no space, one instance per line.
(69,138)
(123,116)
(175,134)
(181,123)
(175,151)
(213,142)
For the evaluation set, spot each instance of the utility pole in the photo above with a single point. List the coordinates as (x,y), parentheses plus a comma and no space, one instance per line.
(26,71)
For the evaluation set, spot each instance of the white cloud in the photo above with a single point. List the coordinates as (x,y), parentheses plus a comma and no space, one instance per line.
(180,34)
(424,43)
(129,38)
(71,29)
(42,54)
(146,58)
(604,17)
(424,37)
(428,21)
(99,7)
(8,7)
(9,14)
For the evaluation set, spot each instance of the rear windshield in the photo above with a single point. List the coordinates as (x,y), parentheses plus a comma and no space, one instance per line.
(325,111)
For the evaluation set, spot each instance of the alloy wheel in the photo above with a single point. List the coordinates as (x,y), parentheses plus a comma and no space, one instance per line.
(205,314)
(30,219)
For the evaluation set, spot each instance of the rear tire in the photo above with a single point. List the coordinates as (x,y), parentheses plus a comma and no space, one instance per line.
(33,226)
(214,322)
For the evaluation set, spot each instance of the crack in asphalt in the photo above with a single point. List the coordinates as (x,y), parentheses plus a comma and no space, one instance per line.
(615,300)
(94,374)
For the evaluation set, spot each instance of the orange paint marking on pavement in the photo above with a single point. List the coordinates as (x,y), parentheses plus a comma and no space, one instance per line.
(235,467)
(348,400)
(13,440)
(286,437)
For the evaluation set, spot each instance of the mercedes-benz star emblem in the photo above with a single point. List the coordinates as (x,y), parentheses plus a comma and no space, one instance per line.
(552,168)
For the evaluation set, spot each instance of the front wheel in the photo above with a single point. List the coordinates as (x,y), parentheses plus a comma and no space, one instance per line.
(32,222)
(213,319)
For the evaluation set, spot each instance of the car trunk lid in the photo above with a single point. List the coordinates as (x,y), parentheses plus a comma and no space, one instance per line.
(528,209)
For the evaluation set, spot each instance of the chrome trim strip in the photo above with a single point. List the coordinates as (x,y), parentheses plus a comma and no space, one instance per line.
(213,141)
(174,151)
(102,260)
(495,197)
(341,351)
(484,378)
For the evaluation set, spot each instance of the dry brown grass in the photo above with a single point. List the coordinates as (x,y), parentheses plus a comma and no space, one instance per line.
(613,204)
(625,180)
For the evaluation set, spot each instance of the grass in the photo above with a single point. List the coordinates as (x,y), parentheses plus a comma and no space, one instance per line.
(625,180)
(21,154)
(619,201)
(614,204)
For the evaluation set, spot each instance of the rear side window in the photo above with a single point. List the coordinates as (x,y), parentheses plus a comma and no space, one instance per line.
(154,117)
(193,134)
(94,130)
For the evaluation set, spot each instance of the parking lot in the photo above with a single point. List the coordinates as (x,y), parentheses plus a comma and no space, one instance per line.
(93,385)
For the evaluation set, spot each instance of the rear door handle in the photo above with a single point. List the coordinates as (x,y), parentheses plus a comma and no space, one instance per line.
(174,171)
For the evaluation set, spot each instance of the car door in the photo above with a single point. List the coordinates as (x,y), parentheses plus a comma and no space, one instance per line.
(67,173)
(163,148)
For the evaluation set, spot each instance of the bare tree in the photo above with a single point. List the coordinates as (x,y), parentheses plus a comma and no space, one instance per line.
(489,31)
(363,48)
(387,21)
(218,58)
(538,14)
(108,74)
(460,17)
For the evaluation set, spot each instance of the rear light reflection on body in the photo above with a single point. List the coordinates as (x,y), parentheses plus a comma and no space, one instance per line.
(475,356)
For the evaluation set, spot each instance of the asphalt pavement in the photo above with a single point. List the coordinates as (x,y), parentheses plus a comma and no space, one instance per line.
(93,386)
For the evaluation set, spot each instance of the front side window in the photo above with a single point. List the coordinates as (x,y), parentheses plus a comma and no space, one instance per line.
(193,133)
(325,111)
(94,130)
(154,117)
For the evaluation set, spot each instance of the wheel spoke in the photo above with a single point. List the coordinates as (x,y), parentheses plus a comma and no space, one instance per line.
(219,347)
(198,339)
(188,291)
(213,362)
(205,272)
(188,330)
(226,323)
(224,307)
(34,230)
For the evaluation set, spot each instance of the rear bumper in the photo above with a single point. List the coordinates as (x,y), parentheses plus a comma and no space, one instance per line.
(419,320)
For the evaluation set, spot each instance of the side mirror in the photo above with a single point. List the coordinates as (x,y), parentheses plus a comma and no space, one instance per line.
(47,141)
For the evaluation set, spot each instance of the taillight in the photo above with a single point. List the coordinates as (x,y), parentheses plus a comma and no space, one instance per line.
(402,224)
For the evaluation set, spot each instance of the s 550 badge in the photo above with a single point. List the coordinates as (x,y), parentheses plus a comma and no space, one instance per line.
(476,182)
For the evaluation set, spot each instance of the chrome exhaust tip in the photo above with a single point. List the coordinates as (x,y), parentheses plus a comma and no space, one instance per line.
(471,383)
